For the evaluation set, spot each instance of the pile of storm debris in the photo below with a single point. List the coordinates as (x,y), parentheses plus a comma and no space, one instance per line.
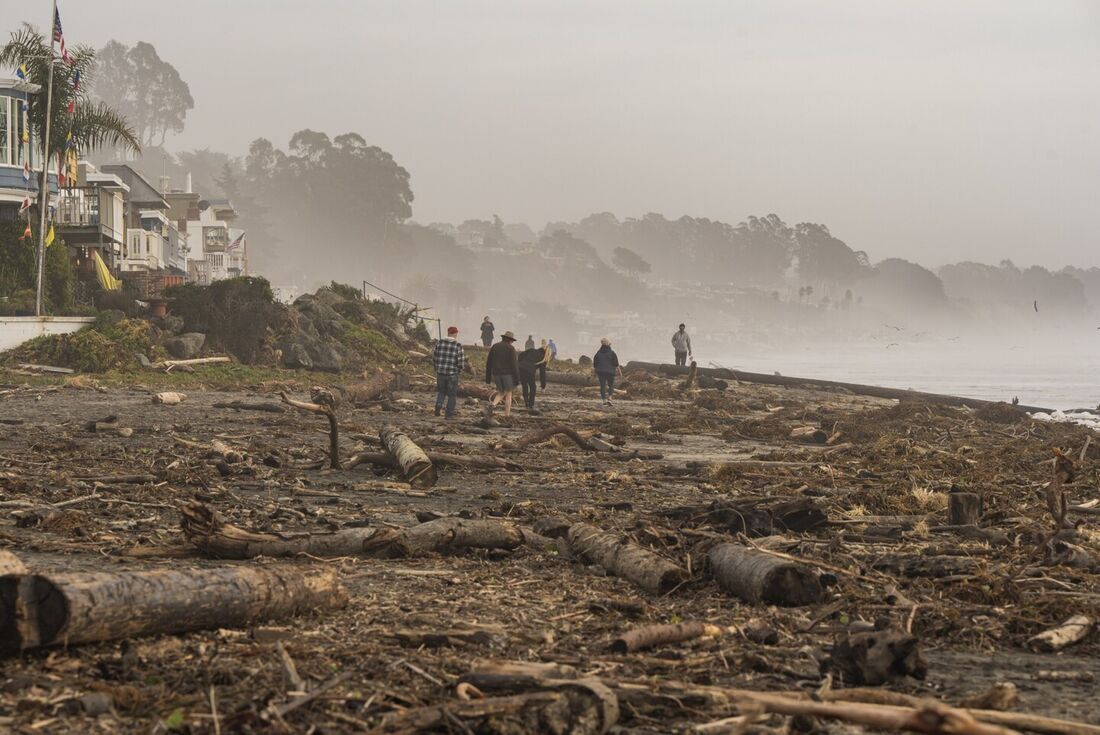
(727,559)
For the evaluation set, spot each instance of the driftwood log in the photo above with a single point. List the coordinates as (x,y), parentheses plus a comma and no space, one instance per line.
(809,435)
(373,387)
(11,564)
(439,459)
(541,435)
(82,607)
(324,403)
(169,364)
(689,382)
(655,635)
(624,559)
(169,398)
(208,531)
(877,657)
(1068,633)
(251,406)
(416,467)
(577,379)
(761,578)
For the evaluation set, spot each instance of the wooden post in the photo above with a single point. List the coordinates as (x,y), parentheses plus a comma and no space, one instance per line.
(964,509)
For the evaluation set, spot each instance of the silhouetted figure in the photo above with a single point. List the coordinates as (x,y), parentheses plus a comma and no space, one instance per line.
(681,344)
(530,343)
(606,364)
(531,362)
(487,330)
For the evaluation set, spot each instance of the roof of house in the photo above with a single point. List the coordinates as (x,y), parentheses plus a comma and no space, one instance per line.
(142,193)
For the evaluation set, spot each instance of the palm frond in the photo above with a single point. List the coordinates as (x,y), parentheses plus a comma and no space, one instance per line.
(95,125)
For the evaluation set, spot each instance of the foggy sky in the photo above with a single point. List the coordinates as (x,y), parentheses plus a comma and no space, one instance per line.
(935,131)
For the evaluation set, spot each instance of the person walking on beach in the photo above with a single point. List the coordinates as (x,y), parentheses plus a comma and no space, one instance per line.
(449,360)
(681,344)
(502,371)
(532,361)
(606,364)
(487,330)
(530,343)
(553,350)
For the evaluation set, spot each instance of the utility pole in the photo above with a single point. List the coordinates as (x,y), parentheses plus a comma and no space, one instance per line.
(44,191)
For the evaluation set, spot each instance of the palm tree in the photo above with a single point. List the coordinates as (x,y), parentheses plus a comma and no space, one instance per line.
(93,125)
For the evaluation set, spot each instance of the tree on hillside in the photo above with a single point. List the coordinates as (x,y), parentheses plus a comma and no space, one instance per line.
(765,248)
(825,259)
(339,200)
(561,244)
(629,261)
(147,90)
(92,125)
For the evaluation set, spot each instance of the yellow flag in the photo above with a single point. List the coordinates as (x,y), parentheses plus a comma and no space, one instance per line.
(49,236)
(103,274)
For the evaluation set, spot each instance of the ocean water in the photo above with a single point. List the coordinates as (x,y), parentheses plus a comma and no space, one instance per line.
(1057,373)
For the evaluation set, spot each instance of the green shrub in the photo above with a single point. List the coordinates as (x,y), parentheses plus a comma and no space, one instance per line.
(236,314)
(371,344)
(102,346)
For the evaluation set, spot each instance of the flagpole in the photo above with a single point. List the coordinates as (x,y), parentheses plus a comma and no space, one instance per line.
(44,191)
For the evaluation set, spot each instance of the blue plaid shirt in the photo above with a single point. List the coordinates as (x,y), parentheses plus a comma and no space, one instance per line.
(448,357)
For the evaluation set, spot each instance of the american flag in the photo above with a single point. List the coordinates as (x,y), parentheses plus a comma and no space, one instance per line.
(59,37)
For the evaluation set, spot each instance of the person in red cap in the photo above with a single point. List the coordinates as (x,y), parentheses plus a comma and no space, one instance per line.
(449,360)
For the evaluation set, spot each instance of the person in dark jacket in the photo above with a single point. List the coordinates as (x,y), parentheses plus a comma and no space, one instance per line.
(532,361)
(487,330)
(606,364)
(502,371)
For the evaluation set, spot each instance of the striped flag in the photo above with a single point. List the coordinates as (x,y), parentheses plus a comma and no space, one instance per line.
(21,72)
(76,80)
(26,171)
(59,36)
(25,205)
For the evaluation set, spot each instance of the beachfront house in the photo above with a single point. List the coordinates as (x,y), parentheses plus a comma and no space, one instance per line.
(90,218)
(20,169)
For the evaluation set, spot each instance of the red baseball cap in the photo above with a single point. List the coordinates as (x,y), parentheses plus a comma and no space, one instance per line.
(452,330)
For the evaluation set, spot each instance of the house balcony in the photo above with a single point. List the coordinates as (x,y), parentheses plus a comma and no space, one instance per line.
(81,221)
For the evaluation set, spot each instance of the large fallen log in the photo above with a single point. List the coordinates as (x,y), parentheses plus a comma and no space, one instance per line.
(439,459)
(373,387)
(624,559)
(857,388)
(577,379)
(415,466)
(208,531)
(82,607)
(761,578)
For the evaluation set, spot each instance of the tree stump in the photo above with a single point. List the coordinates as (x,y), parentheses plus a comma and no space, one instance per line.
(964,509)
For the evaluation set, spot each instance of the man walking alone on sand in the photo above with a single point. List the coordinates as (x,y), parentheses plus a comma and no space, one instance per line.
(681,344)
(502,371)
(606,364)
(449,360)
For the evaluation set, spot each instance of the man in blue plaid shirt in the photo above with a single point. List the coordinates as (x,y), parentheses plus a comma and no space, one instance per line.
(449,360)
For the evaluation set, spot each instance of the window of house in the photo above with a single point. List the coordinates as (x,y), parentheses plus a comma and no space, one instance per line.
(5,152)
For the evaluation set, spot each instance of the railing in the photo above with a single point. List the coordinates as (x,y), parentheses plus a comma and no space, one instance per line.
(78,206)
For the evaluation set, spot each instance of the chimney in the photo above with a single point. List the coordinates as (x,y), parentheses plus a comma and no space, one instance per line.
(165,183)
(188,182)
